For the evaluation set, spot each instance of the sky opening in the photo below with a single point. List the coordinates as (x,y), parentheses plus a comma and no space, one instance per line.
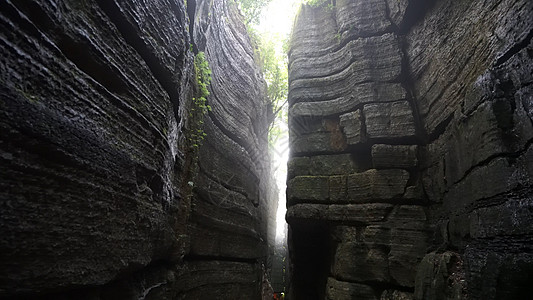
(276,21)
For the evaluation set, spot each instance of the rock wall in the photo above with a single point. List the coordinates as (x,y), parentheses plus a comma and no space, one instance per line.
(102,193)
(411,164)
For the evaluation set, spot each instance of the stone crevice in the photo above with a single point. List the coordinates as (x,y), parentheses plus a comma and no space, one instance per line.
(517,47)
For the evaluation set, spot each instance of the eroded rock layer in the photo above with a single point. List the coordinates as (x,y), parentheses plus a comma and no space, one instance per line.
(410,171)
(101,192)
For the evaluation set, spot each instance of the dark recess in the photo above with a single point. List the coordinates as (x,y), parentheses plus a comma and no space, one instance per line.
(310,258)
(414,12)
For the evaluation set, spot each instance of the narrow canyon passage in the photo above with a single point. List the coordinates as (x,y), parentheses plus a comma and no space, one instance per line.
(137,158)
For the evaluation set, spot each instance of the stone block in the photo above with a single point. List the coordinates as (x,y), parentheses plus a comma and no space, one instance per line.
(376,185)
(389,120)
(361,213)
(371,74)
(397,11)
(355,261)
(483,135)
(311,104)
(394,156)
(340,290)
(440,274)
(376,235)
(316,137)
(322,165)
(362,17)
(510,218)
(396,295)
(298,166)
(353,129)
(308,189)
(337,189)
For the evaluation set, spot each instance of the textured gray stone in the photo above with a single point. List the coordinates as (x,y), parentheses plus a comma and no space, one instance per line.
(440,72)
(441,274)
(341,290)
(217,280)
(389,120)
(364,213)
(376,185)
(352,127)
(322,165)
(308,189)
(359,262)
(362,18)
(313,105)
(396,295)
(97,190)
(328,139)
(394,156)
(397,10)
(318,79)
(463,131)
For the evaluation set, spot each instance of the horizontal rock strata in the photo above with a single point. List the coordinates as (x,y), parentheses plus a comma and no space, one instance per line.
(410,129)
(101,195)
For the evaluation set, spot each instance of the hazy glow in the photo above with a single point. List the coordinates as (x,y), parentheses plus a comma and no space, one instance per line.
(281,156)
(278,16)
(277,19)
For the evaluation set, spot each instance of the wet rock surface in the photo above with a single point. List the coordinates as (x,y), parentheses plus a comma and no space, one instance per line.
(100,194)
(431,101)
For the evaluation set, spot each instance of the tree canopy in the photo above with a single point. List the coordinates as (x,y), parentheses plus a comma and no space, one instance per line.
(251,9)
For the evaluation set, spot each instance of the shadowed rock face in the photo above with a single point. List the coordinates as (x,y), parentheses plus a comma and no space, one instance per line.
(100,196)
(410,171)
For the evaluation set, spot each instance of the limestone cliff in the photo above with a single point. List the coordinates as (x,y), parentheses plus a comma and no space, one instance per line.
(102,194)
(411,165)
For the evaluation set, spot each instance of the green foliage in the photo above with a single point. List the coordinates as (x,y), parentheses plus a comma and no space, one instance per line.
(273,63)
(251,9)
(315,3)
(271,56)
(200,106)
(319,3)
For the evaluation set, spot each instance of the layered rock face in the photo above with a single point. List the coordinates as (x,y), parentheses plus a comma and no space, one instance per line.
(410,171)
(103,195)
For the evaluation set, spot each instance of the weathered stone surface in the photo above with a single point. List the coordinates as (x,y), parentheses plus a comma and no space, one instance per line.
(441,276)
(322,165)
(352,127)
(389,120)
(396,295)
(356,261)
(315,29)
(459,86)
(397,10)
(357,96)
(376,185)
(84,198)
(327,139)
(362,18)
(381,185)
(385,252)
(96,184)
(483,135)
(483,36)
(218,280)
(308,189)
(346,290)
(363,213)
(318,143)
(498,269)
(316,79)
(390,156)
(486,181)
